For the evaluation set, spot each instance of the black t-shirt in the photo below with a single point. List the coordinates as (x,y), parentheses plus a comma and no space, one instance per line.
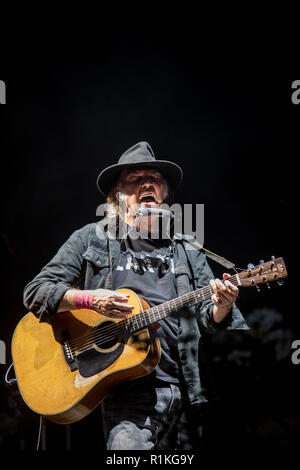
(146,267)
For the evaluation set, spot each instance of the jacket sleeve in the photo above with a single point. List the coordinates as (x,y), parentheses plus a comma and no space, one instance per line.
(43,294)
(204,311)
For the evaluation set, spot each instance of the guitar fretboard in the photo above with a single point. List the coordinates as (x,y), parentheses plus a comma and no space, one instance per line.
(144,319)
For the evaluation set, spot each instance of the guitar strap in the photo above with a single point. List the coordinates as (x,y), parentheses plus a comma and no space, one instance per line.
(192,244)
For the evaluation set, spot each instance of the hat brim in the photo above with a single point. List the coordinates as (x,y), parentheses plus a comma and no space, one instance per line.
(170,170)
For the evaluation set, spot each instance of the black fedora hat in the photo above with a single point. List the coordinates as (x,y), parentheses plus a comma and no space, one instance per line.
(139,155)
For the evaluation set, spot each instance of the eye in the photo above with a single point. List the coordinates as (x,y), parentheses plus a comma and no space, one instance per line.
(156,179)
(138,179)
(133,180)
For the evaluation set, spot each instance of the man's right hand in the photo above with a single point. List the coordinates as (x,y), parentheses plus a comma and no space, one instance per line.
(107,302)
(110,303)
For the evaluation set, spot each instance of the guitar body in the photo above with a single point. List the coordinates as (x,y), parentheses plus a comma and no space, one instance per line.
(67,366)
(63,368)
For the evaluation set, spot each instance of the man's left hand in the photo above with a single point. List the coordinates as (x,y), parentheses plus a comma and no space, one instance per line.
(225,294)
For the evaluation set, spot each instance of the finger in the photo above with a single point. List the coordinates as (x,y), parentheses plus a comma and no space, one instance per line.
(213,285)
(120,297)
(225,291)
(220,286)
(226,297)
(217,286)
(121,306)
(115,314)
(231,288)
(226,275)
(216,299)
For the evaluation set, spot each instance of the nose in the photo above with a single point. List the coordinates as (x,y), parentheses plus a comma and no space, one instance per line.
(147,181)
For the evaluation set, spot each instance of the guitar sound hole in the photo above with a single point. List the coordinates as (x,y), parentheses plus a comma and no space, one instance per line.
(107,335)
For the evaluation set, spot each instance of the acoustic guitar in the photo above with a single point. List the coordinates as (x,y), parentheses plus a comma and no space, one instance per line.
(66,366)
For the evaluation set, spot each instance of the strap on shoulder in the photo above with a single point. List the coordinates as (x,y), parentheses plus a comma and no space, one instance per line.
(194,245)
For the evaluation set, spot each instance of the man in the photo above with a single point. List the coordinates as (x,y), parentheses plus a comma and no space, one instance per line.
(134,251)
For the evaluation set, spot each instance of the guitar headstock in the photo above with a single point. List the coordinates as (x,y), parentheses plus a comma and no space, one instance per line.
(269,271)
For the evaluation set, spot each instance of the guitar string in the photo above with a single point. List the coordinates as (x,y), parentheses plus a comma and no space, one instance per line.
(115,335)
(207,290)
(170,305)
(128,319)
(175,304)
(81,340)
(232,279)
(123,324)
(103,333)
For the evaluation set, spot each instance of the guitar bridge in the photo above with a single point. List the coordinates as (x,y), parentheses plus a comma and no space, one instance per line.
(70,357)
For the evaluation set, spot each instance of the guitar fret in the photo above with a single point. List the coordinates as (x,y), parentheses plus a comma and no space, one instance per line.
(161,311)
(143,319)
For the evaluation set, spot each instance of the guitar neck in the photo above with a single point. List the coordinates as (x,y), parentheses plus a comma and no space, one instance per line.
(144,319)
(265,272)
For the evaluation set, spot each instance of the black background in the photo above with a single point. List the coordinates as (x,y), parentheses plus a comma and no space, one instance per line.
(70,113)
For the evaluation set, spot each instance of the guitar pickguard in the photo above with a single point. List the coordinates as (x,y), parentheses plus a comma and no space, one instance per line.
(91,362)
(103,352)
(94,358)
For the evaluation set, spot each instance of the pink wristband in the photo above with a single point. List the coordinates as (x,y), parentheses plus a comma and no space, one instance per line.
(83,300)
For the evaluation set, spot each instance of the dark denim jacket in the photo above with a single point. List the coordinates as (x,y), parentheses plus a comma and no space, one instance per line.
(83,262)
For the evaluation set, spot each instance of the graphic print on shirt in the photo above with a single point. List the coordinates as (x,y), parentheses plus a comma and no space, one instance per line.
(147,268)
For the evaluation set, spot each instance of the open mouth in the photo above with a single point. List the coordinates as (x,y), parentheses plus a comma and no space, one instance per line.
(148,198)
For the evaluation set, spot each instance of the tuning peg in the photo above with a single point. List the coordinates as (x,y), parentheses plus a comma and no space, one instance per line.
(280,282)
(250,266)
(254,284)
(264,278)
(272,262)
(261,262)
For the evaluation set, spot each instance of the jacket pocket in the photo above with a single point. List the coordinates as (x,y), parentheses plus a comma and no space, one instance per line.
(96,257)
(182,268)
